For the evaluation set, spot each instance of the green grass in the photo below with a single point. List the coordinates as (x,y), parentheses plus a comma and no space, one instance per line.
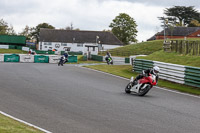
(13,51)
(126,71)
(174,58)
(8,125)
(144,48)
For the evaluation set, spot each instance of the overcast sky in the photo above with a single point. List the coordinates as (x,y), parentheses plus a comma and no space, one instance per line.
(95,15)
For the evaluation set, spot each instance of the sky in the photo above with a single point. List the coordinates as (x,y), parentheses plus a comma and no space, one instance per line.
(90,15)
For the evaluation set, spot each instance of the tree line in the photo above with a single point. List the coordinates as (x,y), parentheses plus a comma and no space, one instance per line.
(29,32)
(122,26)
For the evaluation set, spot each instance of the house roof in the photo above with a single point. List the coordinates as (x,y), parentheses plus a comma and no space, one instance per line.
(76,36)
(179,31)
(152,38)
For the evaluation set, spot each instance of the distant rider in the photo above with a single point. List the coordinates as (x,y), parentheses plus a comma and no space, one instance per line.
(108,55)
(66,56)
(155,71)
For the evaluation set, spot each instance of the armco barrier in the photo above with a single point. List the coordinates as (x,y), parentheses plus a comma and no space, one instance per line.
(41,59)
(12,47)
(11,58)
(127,60)
(171,72)
(97,57)
(1,57)
(19,47)
(26,58)
(140,64)
(192,76)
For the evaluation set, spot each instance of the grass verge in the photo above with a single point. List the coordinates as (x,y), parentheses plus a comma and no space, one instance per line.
(12,51)
(126,71)
(8,125)
(144,48)
(174,58)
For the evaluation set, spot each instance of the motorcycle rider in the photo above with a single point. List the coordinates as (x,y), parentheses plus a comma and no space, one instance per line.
(66,56)
(108,55)
(155,71)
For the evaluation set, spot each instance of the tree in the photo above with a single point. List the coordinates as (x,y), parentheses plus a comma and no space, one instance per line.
(11,31)
(180,15)
(36,30)
(194,23)
(27,32)
(70,27)
(3,27)
(124,28)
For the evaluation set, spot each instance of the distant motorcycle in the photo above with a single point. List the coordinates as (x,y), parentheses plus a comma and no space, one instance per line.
(142,86)
(109,61)
(62,61)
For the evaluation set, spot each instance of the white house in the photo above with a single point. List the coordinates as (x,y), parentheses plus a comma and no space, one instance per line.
(75,40)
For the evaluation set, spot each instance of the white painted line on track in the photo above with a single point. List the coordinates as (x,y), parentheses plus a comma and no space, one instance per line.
(41,129)
(154,86)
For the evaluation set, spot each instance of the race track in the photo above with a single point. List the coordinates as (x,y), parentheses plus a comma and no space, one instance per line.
(72,99)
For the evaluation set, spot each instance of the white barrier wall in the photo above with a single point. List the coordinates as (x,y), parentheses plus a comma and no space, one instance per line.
(54,58)
(4,46)
(25,48)
(1,57)
(26,58)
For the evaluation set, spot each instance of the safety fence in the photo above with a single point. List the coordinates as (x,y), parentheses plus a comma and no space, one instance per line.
(186,47)
(24,58)
(171,72)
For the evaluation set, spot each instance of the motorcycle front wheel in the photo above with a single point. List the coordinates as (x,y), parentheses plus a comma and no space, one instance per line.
(144,91)
(128,88)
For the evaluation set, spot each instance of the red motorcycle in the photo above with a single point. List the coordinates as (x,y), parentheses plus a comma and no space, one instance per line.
(142,86)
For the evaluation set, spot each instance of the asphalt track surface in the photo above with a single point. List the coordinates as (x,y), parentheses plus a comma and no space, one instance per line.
(73,99)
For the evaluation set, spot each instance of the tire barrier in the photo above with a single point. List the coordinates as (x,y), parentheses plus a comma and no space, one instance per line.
(172,72)
(1,57)
(26,58)
(54,58)
(11,58)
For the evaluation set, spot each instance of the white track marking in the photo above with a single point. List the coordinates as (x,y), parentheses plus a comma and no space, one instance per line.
(41,129)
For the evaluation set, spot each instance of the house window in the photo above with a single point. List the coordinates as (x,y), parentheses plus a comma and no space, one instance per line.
(45,46)
(67,48)
(64,44)
(93,48)
(79,45)
(47,43)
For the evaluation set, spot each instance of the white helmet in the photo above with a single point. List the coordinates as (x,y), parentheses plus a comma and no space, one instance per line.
(156,69)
